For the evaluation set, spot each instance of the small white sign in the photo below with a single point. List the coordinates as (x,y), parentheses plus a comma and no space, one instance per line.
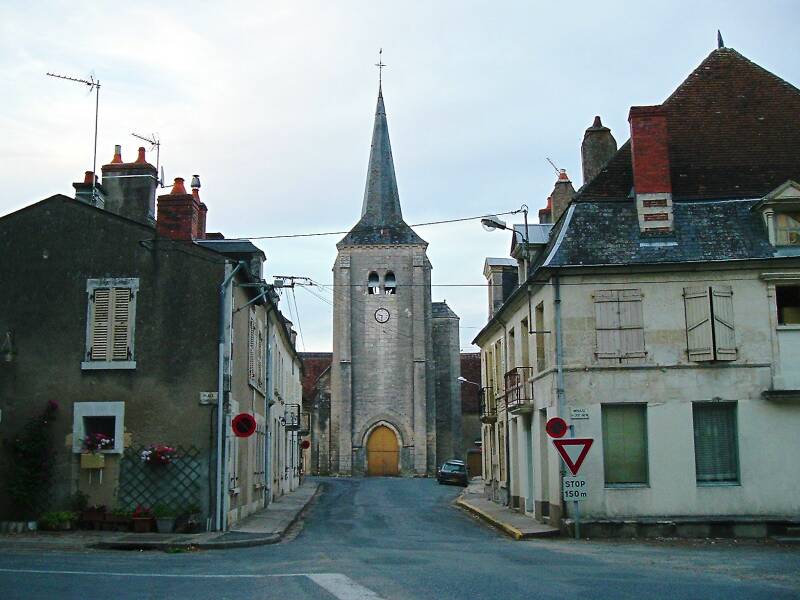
(578,413)
(208,397)
(575,489)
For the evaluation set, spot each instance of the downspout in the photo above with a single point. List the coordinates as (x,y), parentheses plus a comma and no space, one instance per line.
(268,412)
(225,292)
(560,400)
(508,430)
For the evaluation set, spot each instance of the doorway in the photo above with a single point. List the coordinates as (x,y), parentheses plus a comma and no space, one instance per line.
(383,453)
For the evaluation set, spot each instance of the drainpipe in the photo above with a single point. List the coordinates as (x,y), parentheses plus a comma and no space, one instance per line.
(508,429)
(560,399)
(225,293)
(268,411)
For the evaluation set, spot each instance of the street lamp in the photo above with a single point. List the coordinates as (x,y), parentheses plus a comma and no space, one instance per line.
(465,380)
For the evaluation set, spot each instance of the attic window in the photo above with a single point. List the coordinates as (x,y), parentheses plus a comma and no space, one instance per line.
(788,301)
(390,284)
(373,284)
(787,229)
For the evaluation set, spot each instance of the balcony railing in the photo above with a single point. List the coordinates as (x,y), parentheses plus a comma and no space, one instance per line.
(488,407)
(519,390)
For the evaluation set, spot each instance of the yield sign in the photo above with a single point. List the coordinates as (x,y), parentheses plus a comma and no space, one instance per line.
(573,451)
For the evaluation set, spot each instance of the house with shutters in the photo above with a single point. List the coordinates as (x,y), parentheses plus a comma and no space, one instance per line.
(660,317)
(148,333)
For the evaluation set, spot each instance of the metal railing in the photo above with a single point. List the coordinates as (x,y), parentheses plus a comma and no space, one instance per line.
(488,407)
(519,390)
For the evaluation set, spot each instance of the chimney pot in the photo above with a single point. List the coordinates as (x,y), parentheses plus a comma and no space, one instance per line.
(117,155)
(597,122)
(195,182)
(597,149)
(88,178)
(178,187)
(140,159)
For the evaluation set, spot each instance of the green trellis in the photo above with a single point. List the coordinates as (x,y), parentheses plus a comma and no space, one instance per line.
(175,485)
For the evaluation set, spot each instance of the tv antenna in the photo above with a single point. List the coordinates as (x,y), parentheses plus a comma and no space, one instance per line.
(154,143)
(552,164)
(94,86)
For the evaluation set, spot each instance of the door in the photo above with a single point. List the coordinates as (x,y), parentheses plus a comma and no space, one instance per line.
(383,454)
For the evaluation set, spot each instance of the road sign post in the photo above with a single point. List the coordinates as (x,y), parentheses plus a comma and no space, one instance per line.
(573,452)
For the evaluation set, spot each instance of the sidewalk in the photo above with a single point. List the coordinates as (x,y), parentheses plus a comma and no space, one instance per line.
(509,521)
(267,526)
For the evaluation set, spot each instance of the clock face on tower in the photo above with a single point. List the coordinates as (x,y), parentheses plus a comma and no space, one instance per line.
(382,315)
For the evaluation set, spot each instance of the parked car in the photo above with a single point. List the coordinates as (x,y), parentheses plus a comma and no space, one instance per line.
(452,471)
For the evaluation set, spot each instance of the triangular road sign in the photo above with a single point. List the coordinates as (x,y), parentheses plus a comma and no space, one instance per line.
(573,451)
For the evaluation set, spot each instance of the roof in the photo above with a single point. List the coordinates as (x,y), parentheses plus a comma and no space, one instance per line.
(381,219)
(440,310)
(500,262)
(538,233)
(231,246)
(734,132)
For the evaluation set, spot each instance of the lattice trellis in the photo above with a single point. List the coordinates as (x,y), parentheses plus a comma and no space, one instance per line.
(175,485)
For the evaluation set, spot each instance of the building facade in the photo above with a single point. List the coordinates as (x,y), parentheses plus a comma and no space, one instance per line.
(660,319)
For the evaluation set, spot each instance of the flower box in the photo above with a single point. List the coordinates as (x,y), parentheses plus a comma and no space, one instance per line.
(90,460)
(142,524)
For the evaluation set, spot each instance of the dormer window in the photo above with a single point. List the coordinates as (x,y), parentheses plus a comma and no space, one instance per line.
(780,210)
(390,284)
(373,284)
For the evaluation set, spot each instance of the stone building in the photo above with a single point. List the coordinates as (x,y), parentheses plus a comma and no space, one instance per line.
(661,318)
(394,397)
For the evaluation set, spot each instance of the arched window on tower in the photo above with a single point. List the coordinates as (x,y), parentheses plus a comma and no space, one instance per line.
(390,284)
(373,284)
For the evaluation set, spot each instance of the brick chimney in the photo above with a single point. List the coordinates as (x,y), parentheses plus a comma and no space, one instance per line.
(131,187)
(562,195)
(650,158)
(596,150)
(85,192)
(181,216)
(546,214)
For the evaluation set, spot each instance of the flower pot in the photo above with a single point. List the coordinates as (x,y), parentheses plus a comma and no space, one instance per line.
(32,525)
(142,524)
(165,524)
(90,460)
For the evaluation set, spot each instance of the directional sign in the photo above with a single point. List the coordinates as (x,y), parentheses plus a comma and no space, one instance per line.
(573,451)
(575,489)
(556,427)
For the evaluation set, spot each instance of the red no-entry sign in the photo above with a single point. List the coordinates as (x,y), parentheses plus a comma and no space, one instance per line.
(556,427)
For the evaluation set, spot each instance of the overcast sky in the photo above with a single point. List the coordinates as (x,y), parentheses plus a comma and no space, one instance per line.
(272,104)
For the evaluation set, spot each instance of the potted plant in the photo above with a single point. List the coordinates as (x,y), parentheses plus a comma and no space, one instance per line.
(94,516)
(58,520)
(142,519)
(93,444)
(158,454)
(165,518)
(118,519)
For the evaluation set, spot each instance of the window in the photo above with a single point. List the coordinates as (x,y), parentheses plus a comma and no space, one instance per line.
(110,321)
(787,229)
(788,300)
(255,351)
(512,350)
(620,326)
(625,443)
(525,343)
(373,284)
(709,323)
(541,358)
(390,284)
(716,456)
(89,418)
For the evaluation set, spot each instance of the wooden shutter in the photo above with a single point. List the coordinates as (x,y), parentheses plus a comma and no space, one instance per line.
(260,355)
(120,324)
(631,324)
(699,337)
(101,326)
(724,336)
(624,443)
(251,347)
(607,323)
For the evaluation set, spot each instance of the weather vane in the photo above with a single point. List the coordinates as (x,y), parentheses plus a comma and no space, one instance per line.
(380,66)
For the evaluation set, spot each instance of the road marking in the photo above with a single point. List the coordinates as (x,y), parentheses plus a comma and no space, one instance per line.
(342,586)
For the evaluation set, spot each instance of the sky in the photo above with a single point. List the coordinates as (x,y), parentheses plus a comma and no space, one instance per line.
(272,104)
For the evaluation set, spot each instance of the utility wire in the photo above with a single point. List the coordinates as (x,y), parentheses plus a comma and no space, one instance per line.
(299,327)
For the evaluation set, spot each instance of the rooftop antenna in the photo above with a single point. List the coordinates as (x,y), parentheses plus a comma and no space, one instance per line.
(154,143)
(94,86)
(552,164)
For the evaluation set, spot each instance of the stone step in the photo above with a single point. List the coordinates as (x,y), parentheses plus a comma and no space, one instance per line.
(787,539)
(793,531)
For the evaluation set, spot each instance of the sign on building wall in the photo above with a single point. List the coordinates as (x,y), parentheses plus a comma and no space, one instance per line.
(578,413)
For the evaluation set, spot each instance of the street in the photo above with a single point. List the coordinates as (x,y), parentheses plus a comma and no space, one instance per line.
(401,539)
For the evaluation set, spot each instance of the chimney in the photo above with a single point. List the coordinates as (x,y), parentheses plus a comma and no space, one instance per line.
(546,214)
(181,216)
(130,187)
(562,195)
(85,192)
(502,277)
(651,178)
(201,224)
(596,150)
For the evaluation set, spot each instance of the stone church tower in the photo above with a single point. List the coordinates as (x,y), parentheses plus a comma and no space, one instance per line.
(391,367)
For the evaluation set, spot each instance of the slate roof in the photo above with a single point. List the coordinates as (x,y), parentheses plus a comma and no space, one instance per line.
(734,132)
(441,310)
(381,219)
(231,246)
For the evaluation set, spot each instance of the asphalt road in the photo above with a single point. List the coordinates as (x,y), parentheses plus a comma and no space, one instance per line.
(401,539)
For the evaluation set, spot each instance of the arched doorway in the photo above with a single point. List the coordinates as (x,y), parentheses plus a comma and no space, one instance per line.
(383,453)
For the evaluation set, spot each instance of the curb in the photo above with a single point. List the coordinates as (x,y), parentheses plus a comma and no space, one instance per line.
(504,527)
(210,544)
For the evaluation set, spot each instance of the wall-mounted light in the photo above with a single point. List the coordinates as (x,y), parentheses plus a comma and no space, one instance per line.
(7,350)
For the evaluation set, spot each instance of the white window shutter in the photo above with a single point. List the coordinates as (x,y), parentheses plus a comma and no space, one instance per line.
(607,323)
(724,335)
(699,338)
(120,323)
(631,324)
(251,347)
(101,326)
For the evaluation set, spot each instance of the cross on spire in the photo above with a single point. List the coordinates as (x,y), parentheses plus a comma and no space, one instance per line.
(380,66)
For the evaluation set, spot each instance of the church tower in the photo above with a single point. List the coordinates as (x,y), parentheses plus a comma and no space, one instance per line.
(383,407)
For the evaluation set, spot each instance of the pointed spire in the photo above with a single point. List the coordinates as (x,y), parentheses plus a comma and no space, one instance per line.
(381,199)
(720,42)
